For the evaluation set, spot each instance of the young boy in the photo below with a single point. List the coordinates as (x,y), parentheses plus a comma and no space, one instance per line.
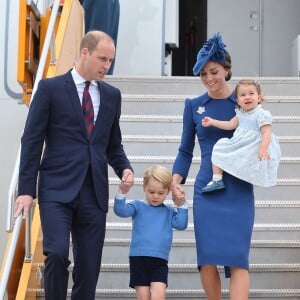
(152,233)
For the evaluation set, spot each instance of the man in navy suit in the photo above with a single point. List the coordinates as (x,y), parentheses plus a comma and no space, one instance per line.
(72,170)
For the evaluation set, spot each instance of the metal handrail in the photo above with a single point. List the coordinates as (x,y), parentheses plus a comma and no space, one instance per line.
(14,226)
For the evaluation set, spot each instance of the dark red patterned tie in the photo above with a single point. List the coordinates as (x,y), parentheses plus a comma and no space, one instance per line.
(88,110)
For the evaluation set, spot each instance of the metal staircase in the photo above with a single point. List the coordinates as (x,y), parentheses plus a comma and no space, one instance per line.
(151,124)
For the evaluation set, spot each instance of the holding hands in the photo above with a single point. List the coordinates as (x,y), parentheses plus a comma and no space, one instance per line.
(178,194)
(127,181)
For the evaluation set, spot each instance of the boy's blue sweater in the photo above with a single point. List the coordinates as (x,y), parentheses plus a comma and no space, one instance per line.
(152,226)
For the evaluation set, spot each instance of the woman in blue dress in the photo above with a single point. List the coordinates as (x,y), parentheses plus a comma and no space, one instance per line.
(223,220)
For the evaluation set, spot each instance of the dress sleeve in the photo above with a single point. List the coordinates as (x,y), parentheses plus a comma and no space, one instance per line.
(185,152)
(264,118)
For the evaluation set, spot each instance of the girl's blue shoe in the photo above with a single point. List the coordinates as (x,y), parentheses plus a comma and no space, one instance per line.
(213,186)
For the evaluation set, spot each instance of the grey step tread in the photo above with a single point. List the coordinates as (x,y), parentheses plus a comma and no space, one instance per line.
(178,118)
(258,203)
(190,268)
(277,203)
(196,159)
(181,98)
(189,293)
(257,227)
(176,138)
(191,181)
(177,268)
(191,84)
(191,242)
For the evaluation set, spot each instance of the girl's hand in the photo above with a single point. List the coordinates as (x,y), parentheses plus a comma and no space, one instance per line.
(207,121)
(263,155)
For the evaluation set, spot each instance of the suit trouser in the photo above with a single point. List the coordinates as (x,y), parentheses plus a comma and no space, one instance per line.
(86,222)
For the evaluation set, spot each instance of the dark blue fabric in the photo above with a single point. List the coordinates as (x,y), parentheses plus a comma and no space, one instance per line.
(86,222)
(223,220)
(102,15)
(73,177)
(55,116)
(145,269)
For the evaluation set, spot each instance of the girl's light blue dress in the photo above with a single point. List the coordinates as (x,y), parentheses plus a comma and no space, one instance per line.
(238,155)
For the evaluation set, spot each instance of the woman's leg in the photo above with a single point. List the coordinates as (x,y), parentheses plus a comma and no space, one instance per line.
(211,282)
(239,284)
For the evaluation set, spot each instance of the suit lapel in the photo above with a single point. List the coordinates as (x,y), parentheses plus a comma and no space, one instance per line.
(73,97)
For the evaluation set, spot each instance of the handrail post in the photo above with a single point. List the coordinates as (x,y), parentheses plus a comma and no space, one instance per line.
(12,191)
(28,223)
(10,257)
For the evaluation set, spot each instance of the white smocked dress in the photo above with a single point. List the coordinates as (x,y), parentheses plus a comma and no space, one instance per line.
(238,155)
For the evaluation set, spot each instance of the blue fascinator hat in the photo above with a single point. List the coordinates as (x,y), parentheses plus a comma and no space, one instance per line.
(212,50)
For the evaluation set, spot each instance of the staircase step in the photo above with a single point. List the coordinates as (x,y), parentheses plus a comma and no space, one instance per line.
(174,104)
(186,276)
(268,231)
(172,124)
(151,123)
(289,165)
(285,212)
(286,188)
(254,294)
(168,145)
(191,85)
(277,251)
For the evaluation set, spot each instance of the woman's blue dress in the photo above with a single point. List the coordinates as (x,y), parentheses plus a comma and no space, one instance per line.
(223,220)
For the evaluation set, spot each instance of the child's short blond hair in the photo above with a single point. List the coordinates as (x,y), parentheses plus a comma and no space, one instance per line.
(159,173)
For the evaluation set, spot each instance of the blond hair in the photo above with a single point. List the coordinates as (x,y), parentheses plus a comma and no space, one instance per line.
(160,174)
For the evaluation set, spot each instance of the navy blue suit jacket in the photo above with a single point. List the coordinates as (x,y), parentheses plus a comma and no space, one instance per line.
(55,116)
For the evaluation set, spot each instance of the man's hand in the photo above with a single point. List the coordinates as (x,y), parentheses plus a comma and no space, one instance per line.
(23,204)
(127,181)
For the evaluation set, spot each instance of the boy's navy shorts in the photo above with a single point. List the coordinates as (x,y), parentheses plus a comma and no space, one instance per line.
(145,269)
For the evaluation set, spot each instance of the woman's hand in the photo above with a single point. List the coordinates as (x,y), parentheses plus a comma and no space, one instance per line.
(178,194)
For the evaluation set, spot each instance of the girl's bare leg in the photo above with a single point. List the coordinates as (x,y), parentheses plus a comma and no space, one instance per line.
(217,170)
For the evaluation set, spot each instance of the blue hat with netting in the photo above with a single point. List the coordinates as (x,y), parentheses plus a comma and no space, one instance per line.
(212,50)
